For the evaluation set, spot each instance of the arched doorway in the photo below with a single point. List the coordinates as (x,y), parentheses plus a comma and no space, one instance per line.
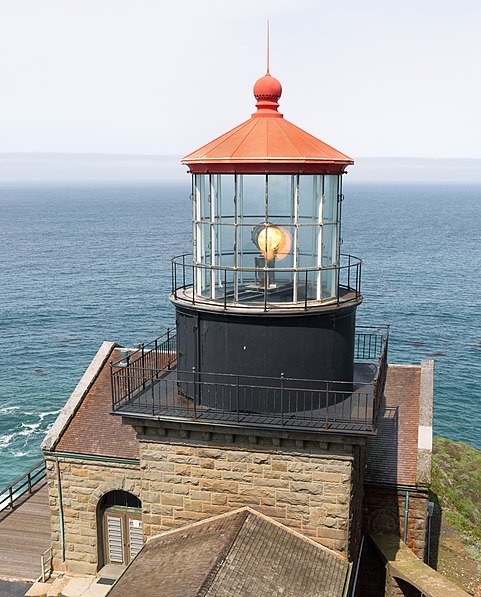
(119,516)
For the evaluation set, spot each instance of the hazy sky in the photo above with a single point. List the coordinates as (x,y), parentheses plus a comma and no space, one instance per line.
(373,78)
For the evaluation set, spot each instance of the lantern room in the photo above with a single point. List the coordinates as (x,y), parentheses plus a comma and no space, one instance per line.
(267,216)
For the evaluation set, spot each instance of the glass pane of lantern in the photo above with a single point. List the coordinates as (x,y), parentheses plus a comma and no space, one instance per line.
(203,243)
(309,198)
(225,285)
(307,245)
(251,198)
(203,193)
(223,245)
(224,198)
(329,245)
(280,198)
(330,198)
(329,283)
(247,254)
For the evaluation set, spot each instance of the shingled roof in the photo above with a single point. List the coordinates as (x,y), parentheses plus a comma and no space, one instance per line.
(239,554)
(85,425)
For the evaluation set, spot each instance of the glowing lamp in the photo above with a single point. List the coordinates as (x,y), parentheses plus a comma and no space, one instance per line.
(272,241)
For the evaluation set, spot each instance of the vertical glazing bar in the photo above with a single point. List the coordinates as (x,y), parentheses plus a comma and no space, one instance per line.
(213,248)
(295,193)
(320,191)
(236,292)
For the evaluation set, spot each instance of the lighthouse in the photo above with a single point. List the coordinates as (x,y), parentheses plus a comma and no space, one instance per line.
(267,392)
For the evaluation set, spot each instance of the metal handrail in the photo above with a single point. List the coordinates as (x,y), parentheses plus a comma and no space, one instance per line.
(22,485)
(46,564)
(185,272)
(138,381)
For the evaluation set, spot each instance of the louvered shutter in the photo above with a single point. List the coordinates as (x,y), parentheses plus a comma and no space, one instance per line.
(135,537)
(115,539)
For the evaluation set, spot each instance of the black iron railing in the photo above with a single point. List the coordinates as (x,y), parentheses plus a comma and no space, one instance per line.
(22,485)
(136,368)
(230,291)
(142,389)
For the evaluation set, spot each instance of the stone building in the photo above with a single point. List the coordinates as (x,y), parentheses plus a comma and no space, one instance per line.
(267,396)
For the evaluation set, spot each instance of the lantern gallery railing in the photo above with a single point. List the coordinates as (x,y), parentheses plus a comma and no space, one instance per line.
(265,287)
(142,391)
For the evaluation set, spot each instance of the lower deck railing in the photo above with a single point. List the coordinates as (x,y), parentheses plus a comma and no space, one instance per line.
(22,485)
(145,383)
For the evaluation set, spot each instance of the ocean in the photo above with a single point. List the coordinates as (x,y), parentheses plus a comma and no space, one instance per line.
(84,263)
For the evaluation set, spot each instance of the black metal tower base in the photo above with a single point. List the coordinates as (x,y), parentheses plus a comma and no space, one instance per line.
(299,345)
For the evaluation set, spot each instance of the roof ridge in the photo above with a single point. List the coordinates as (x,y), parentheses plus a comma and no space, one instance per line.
(253,127)
(206,585)
(308,137)
(77,396)
(218,140)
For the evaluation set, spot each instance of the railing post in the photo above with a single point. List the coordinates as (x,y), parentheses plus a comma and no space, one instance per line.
(282,398)
(10,495)
(168,349)
(327,405)
(305,292)
(237,396)
(195,391)
(127,372)
(142,360)
(183,272)
(112,385)
(29,481)
(349,272)
(175,279)
(225,289)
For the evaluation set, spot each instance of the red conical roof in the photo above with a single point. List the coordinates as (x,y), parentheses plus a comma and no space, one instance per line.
(267,143)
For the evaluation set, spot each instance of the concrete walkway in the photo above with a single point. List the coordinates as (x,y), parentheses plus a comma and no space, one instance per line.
(70,586)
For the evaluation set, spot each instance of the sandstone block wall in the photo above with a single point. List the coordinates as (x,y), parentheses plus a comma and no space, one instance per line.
(300,484)
(83,483)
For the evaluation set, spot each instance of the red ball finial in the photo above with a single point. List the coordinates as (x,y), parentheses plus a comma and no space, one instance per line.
(267,91)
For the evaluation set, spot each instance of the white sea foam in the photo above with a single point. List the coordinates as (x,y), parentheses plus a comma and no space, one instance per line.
(6,440)
(48,414)
(6,410)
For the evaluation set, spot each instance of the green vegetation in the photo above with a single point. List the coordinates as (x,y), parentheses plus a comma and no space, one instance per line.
(456,485)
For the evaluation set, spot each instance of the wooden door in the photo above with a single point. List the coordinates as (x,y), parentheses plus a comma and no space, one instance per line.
(122,534)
